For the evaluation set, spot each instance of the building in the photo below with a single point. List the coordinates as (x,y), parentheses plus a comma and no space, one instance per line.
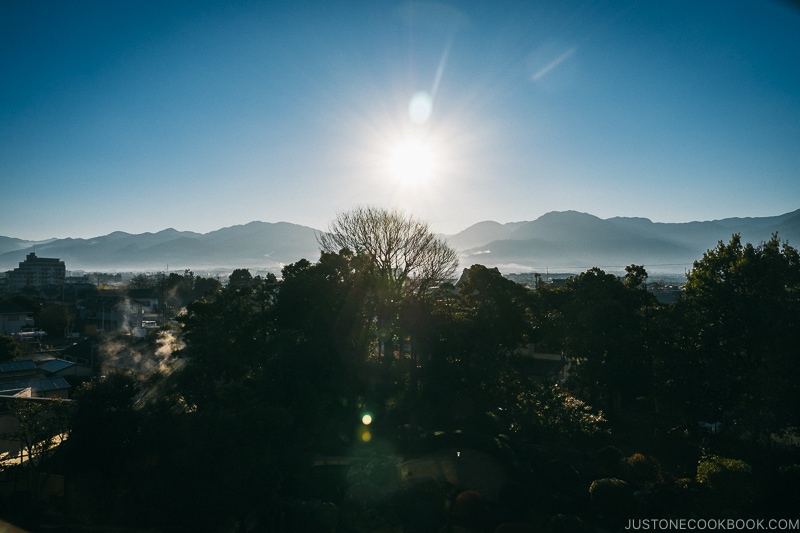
(112,312)
(29,379)
(145,308)
(14,319)
(37,275)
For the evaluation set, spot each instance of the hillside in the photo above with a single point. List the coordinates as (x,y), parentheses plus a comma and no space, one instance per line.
(566,240)
(253,245)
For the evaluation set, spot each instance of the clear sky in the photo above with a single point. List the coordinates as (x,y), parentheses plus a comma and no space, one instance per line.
(138,116)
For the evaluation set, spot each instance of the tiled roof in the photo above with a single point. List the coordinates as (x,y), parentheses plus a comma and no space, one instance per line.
(55,365)
(36,385)
(17,366)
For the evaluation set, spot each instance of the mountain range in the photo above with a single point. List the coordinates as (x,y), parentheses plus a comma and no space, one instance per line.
(566,240)
(575,241)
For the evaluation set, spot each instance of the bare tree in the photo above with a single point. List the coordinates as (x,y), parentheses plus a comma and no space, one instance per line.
(403,250)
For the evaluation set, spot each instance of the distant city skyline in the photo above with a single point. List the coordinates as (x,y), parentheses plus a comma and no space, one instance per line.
(141,116)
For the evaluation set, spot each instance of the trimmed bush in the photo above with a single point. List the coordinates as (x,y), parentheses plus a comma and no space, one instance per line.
(730,483)
(612,500)
(642,470)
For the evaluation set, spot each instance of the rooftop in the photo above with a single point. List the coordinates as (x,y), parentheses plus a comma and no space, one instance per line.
(36,385)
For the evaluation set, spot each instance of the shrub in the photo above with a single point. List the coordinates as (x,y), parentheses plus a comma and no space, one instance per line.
(612,500)
(730,482)
(642,470)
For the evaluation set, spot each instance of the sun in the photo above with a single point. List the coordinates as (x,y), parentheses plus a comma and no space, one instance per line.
(411,162)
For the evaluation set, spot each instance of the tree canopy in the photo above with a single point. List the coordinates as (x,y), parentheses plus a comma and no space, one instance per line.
(276,375)
(742,312)
(403,250)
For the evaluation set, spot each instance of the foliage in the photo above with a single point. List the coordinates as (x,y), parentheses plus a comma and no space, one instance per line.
(499,310)
(465,336)
(602,324)
(398,261)
(536,411)
(105,422)
(176,290)
(635,276)
(57,319)
(41,424)
(277,372)
(324,318)
(742,329)
(612,499)
(716,472)
(403,251)
(731,482)
(9,348)
(226,337)
(240,276)
(642,470)
(142,281)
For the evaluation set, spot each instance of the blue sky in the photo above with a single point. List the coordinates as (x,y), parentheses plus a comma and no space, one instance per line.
(138,116)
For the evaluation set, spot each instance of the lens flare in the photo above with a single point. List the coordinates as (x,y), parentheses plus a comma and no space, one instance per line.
(420,107)
(366,419)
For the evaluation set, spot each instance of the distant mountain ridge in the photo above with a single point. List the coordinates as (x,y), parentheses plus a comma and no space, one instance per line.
(256,245)
(565,240)
(576,241)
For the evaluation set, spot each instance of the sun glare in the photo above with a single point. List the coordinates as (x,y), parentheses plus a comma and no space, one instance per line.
(411,162)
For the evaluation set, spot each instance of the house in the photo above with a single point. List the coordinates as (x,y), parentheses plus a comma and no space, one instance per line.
(83,352)
(146,304)
(117,312)
(14,319)
(39,387)
(146,298)
(102,312)
(14,370)
(62,367)
(17,376)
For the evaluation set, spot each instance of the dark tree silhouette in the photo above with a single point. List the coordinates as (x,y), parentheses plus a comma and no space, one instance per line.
(742,307)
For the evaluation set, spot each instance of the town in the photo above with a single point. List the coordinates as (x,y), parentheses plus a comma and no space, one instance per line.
(357,394)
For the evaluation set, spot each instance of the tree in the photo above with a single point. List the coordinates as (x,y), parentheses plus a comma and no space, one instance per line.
(742,311)
(41,425)
(324,309)
(204,287)
(635,276)
(105,422)
(403,257)
(324,332)
(535,411)
(603,325)
(403,250)
(227,340)
(56,319)
(142,281)
(240,276)
(176,289)
(9,348)
(501,310)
